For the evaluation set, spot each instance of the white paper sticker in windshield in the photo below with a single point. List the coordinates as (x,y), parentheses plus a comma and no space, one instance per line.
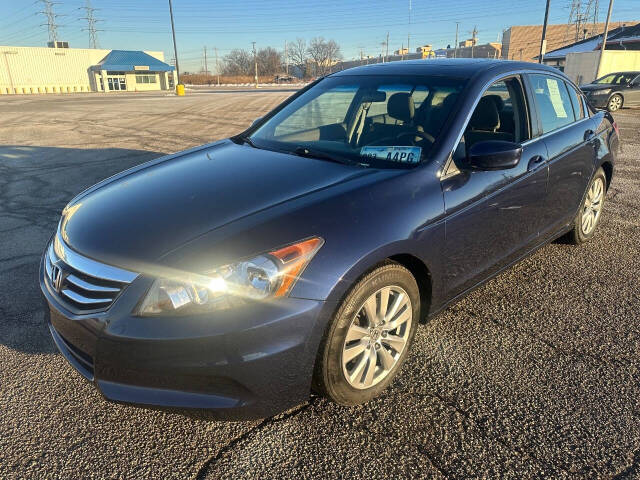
(393,154)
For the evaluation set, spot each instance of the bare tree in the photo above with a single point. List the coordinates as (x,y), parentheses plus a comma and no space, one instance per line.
(269,61)
(238,62)
(324,55)
(297,53)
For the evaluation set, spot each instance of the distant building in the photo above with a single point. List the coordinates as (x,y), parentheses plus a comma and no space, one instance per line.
(522,42)
(28,70)
(468,42)
(401,51)
(623,38)
(579,60)
(487,50)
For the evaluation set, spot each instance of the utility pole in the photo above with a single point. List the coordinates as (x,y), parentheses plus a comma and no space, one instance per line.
(255,63)
(386,44)
(286,59)
(175,48)
(91,24)
(409,32)
(474,35)
(206,69)
(604,38)
(51,20)
(217,67)
(455,52)
(543,42)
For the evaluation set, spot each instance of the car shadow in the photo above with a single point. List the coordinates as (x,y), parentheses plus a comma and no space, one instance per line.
(35,185)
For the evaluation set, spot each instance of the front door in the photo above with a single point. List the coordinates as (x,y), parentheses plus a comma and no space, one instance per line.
(632,95)
(494,216)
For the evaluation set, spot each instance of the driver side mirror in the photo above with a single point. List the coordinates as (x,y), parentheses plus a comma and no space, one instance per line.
(493,155)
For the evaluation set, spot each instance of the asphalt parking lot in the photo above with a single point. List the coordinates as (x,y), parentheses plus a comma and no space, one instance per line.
(536,374)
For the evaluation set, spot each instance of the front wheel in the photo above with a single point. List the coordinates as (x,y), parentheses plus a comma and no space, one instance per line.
(615,103)
(369,337)
(588,217)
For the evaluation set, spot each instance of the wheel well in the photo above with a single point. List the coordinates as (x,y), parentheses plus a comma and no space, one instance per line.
(608,172)
(423,278)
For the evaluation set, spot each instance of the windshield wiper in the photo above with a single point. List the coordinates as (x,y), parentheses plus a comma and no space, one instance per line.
(246,139)
(309,153)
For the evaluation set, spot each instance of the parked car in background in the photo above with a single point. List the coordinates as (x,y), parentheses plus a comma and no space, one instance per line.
(303,253)
(614,90)
(284,78)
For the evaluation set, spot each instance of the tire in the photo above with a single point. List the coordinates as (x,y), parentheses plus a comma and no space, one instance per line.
(615,102)
(359,379)
(591,206)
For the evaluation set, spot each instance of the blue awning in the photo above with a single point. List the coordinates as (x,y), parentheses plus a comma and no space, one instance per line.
(131,60)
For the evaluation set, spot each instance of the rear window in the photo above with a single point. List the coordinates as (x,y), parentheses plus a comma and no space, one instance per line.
(576,101)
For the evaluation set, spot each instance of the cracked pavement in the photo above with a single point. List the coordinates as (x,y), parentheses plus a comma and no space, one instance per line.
(535,374)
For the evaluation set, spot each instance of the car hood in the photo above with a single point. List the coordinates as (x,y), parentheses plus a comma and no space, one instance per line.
(590,87)
(140,215)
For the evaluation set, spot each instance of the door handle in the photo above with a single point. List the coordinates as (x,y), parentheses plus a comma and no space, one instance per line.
(535,162)
(589,134)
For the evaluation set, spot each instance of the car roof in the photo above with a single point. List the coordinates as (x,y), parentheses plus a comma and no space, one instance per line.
(626,72)
(455,67)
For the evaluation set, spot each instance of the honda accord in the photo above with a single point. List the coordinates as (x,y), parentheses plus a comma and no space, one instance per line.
(302,254)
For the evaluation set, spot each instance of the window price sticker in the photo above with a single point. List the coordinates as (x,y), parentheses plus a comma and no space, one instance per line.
(393,154)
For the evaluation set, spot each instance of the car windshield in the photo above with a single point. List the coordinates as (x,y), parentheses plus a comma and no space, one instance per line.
(616,79)
(381,121)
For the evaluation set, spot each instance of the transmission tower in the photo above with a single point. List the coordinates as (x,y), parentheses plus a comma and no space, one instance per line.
(51,24)
(583,19)
(91,24)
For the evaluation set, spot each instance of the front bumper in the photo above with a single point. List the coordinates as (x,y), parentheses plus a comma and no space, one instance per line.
(597,100)
(248,362)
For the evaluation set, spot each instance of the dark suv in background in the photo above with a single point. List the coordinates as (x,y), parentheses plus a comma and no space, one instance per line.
(614,90)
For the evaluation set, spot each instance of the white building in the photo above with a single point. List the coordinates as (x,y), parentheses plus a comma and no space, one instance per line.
(28,70)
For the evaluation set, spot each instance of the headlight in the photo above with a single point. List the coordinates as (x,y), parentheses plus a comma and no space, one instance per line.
(269,275)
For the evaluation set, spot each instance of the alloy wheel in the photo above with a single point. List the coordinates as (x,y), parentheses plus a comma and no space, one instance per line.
(592,206)
(615,103)
(377,336)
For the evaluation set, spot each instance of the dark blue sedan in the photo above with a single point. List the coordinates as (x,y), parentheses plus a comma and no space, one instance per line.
(304,253)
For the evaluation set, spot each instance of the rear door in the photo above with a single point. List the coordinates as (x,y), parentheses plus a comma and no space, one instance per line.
(493,216)
(569,135)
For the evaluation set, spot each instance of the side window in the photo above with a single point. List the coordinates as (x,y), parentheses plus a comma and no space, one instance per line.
(501,114)
(330,108)
(585,107)
(553,101)
(576,101)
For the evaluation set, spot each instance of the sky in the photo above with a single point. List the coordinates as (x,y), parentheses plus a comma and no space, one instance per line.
(357,25)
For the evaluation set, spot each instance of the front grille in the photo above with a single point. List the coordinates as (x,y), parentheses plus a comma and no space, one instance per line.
(79,283)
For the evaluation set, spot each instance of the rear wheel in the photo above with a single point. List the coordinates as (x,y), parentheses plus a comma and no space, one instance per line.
(369,337)
(615,103)
(588,217)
